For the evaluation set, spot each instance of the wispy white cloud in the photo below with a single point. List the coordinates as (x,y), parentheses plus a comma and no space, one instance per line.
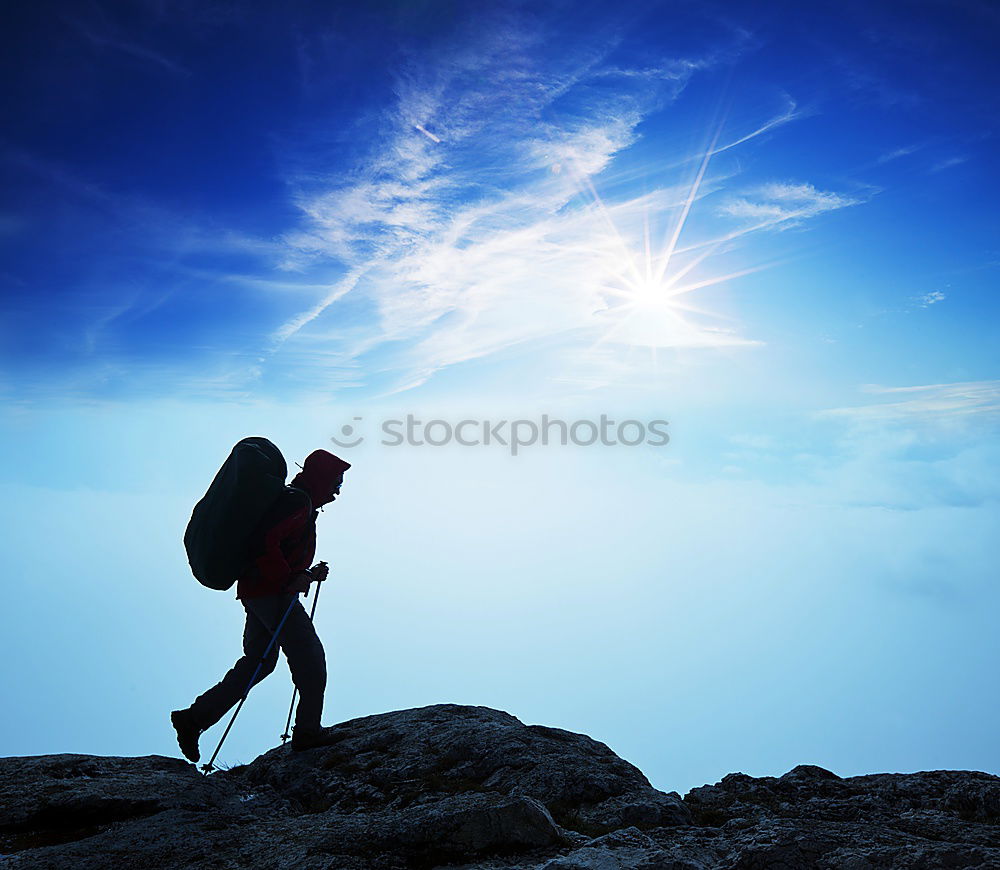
(931,298)
(784,204)
(791,113)
(105,38)
(474,225)
(169,231)
(950,163)
(928,402)
(897,153)
(867,80)
(338,290)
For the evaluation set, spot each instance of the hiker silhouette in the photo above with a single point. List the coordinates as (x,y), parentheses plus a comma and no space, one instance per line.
(282,547)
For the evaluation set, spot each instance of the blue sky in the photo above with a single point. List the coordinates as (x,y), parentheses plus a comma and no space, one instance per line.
(773,226)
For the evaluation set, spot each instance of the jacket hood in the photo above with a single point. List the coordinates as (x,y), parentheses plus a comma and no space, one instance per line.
(320,472)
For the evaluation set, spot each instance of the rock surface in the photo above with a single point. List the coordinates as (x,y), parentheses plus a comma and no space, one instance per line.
(470,788)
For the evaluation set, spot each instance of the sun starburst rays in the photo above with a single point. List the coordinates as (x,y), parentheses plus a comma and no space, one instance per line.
(682,219)
(643,285)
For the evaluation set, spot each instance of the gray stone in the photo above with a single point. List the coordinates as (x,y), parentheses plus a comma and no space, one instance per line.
(470,788)
(396,759)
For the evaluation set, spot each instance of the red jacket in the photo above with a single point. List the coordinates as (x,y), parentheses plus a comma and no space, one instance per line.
(284,542)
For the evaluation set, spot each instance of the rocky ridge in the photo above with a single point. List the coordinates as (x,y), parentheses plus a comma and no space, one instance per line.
(471,788)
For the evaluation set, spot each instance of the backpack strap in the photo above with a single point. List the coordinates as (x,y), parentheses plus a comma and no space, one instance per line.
(309,500)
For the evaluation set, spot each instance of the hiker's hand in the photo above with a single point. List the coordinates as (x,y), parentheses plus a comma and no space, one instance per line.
(320,571)
(299,583)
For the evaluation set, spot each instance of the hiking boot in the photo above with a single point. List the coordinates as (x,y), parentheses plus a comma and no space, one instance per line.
(310,738)
(187,734)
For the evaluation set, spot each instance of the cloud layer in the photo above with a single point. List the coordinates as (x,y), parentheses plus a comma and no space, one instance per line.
(474,224)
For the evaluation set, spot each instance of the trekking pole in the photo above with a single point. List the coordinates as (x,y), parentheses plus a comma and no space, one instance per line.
(208,768)
(295,690)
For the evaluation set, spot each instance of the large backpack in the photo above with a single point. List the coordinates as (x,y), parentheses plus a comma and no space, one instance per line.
(217,537)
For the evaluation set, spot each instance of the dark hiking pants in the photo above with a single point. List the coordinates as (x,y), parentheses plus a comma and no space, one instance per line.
(302,648)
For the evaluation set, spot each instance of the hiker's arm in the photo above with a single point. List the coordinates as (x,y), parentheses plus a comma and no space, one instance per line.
(272,564)
(299,581)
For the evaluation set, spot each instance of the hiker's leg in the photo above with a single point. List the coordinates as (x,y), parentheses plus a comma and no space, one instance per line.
(307,662)
(210,707)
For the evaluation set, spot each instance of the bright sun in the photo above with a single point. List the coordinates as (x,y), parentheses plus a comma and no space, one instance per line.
(646,290)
